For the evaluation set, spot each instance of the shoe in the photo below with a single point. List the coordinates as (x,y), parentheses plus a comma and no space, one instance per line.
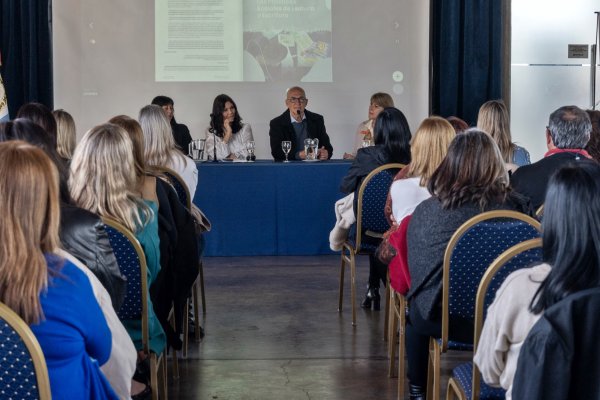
(145,394)
(416,392)
(372,297)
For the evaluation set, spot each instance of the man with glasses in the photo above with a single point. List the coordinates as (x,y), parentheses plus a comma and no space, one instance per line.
(297,124)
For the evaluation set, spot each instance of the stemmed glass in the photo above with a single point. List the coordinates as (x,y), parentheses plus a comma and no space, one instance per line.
(250,147)
(286,146)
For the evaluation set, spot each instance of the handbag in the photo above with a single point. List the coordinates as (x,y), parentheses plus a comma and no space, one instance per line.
(201,222)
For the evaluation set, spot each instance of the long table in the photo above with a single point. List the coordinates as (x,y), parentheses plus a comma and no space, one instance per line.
(269,208)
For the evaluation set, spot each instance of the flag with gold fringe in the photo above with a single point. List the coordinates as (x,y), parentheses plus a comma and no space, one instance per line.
(3,100)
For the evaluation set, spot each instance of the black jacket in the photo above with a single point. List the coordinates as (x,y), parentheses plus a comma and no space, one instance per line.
(182,136)
(82,234)
(281,129)
(559,358)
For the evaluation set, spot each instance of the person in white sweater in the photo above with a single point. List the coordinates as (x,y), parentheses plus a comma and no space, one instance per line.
(571,255)
(226,131)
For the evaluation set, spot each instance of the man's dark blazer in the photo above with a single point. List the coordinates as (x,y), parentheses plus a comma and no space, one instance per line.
(532,180)
(281,128)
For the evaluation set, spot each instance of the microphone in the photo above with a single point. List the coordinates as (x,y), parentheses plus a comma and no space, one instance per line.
(215,147)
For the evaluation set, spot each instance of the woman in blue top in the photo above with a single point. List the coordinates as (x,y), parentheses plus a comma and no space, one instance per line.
(49,293)
(103,181)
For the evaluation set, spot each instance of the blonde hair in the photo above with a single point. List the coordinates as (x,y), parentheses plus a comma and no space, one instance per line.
(103,180)
(160,149)
(493,119)
(65,133)
(383,100)
(29,205)
(134,131)
(428,147)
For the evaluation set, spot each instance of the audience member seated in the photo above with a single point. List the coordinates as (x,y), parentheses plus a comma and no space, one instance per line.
(178,246)
(180,132)
(567,134)
(470,180)
(429,146)
(571,249)
(458,124)
(65,134)
(364,133)
(48,292)
(103,181)
(392,145)
(296,124)
(227,132)
(82,233)
(160,149)
(593,146)
(493,119)
(41,115)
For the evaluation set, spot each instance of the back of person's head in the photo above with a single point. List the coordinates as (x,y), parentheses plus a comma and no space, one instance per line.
(41,115)
(134,130)
(159,146)
(103,176)
(65,133)
(571,233)
(162,101)
(472,172)
(382,99)
(392,131)
(428,147)
(216,116)
(569,127)
(493,118)
(30,218)
(458,124)
(32,133)
(593,146)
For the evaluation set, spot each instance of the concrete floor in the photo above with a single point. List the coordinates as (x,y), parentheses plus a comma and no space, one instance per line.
(273,332)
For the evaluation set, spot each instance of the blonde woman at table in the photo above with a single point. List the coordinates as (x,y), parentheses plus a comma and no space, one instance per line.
(227,131)
(160,149)
(379,101)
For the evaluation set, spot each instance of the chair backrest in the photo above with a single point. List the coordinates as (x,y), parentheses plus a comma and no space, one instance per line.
(470,251)
(372,195)
(178,184)
(522,255)
(23,371)
(132,264)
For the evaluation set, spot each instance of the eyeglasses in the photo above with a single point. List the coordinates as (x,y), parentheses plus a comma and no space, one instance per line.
(298,100)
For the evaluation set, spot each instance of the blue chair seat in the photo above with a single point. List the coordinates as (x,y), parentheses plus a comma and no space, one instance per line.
(463,375)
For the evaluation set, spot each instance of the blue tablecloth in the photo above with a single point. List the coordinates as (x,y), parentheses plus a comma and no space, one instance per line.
(269,208)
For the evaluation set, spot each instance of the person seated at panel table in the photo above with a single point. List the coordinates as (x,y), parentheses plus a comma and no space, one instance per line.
(181,133)
(297,124)
(364,133)
(227,132)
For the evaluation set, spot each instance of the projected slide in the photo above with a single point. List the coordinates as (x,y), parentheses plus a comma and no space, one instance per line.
(243,40)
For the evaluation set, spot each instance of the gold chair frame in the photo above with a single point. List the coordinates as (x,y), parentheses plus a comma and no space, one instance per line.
(157,361)
(198,284)
(350,258)
(33,347)
(454,389)
(397,323)
(437,349)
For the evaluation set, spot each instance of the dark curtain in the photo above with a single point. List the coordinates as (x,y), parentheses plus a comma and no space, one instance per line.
(466,56)
(26,49)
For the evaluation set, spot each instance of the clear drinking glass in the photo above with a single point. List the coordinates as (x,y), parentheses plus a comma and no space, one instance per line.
(196,149)
(250,145)
(286,146)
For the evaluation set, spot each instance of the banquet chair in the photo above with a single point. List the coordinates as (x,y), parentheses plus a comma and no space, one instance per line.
(465,380)
(184,197)
(470,251)
(132,263)
(370,226)
(23,371)
(398,281)
(539,213)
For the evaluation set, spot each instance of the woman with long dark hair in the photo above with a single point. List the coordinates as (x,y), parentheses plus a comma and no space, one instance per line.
(392,145)
(571,263)
(227,132)
(470,180)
